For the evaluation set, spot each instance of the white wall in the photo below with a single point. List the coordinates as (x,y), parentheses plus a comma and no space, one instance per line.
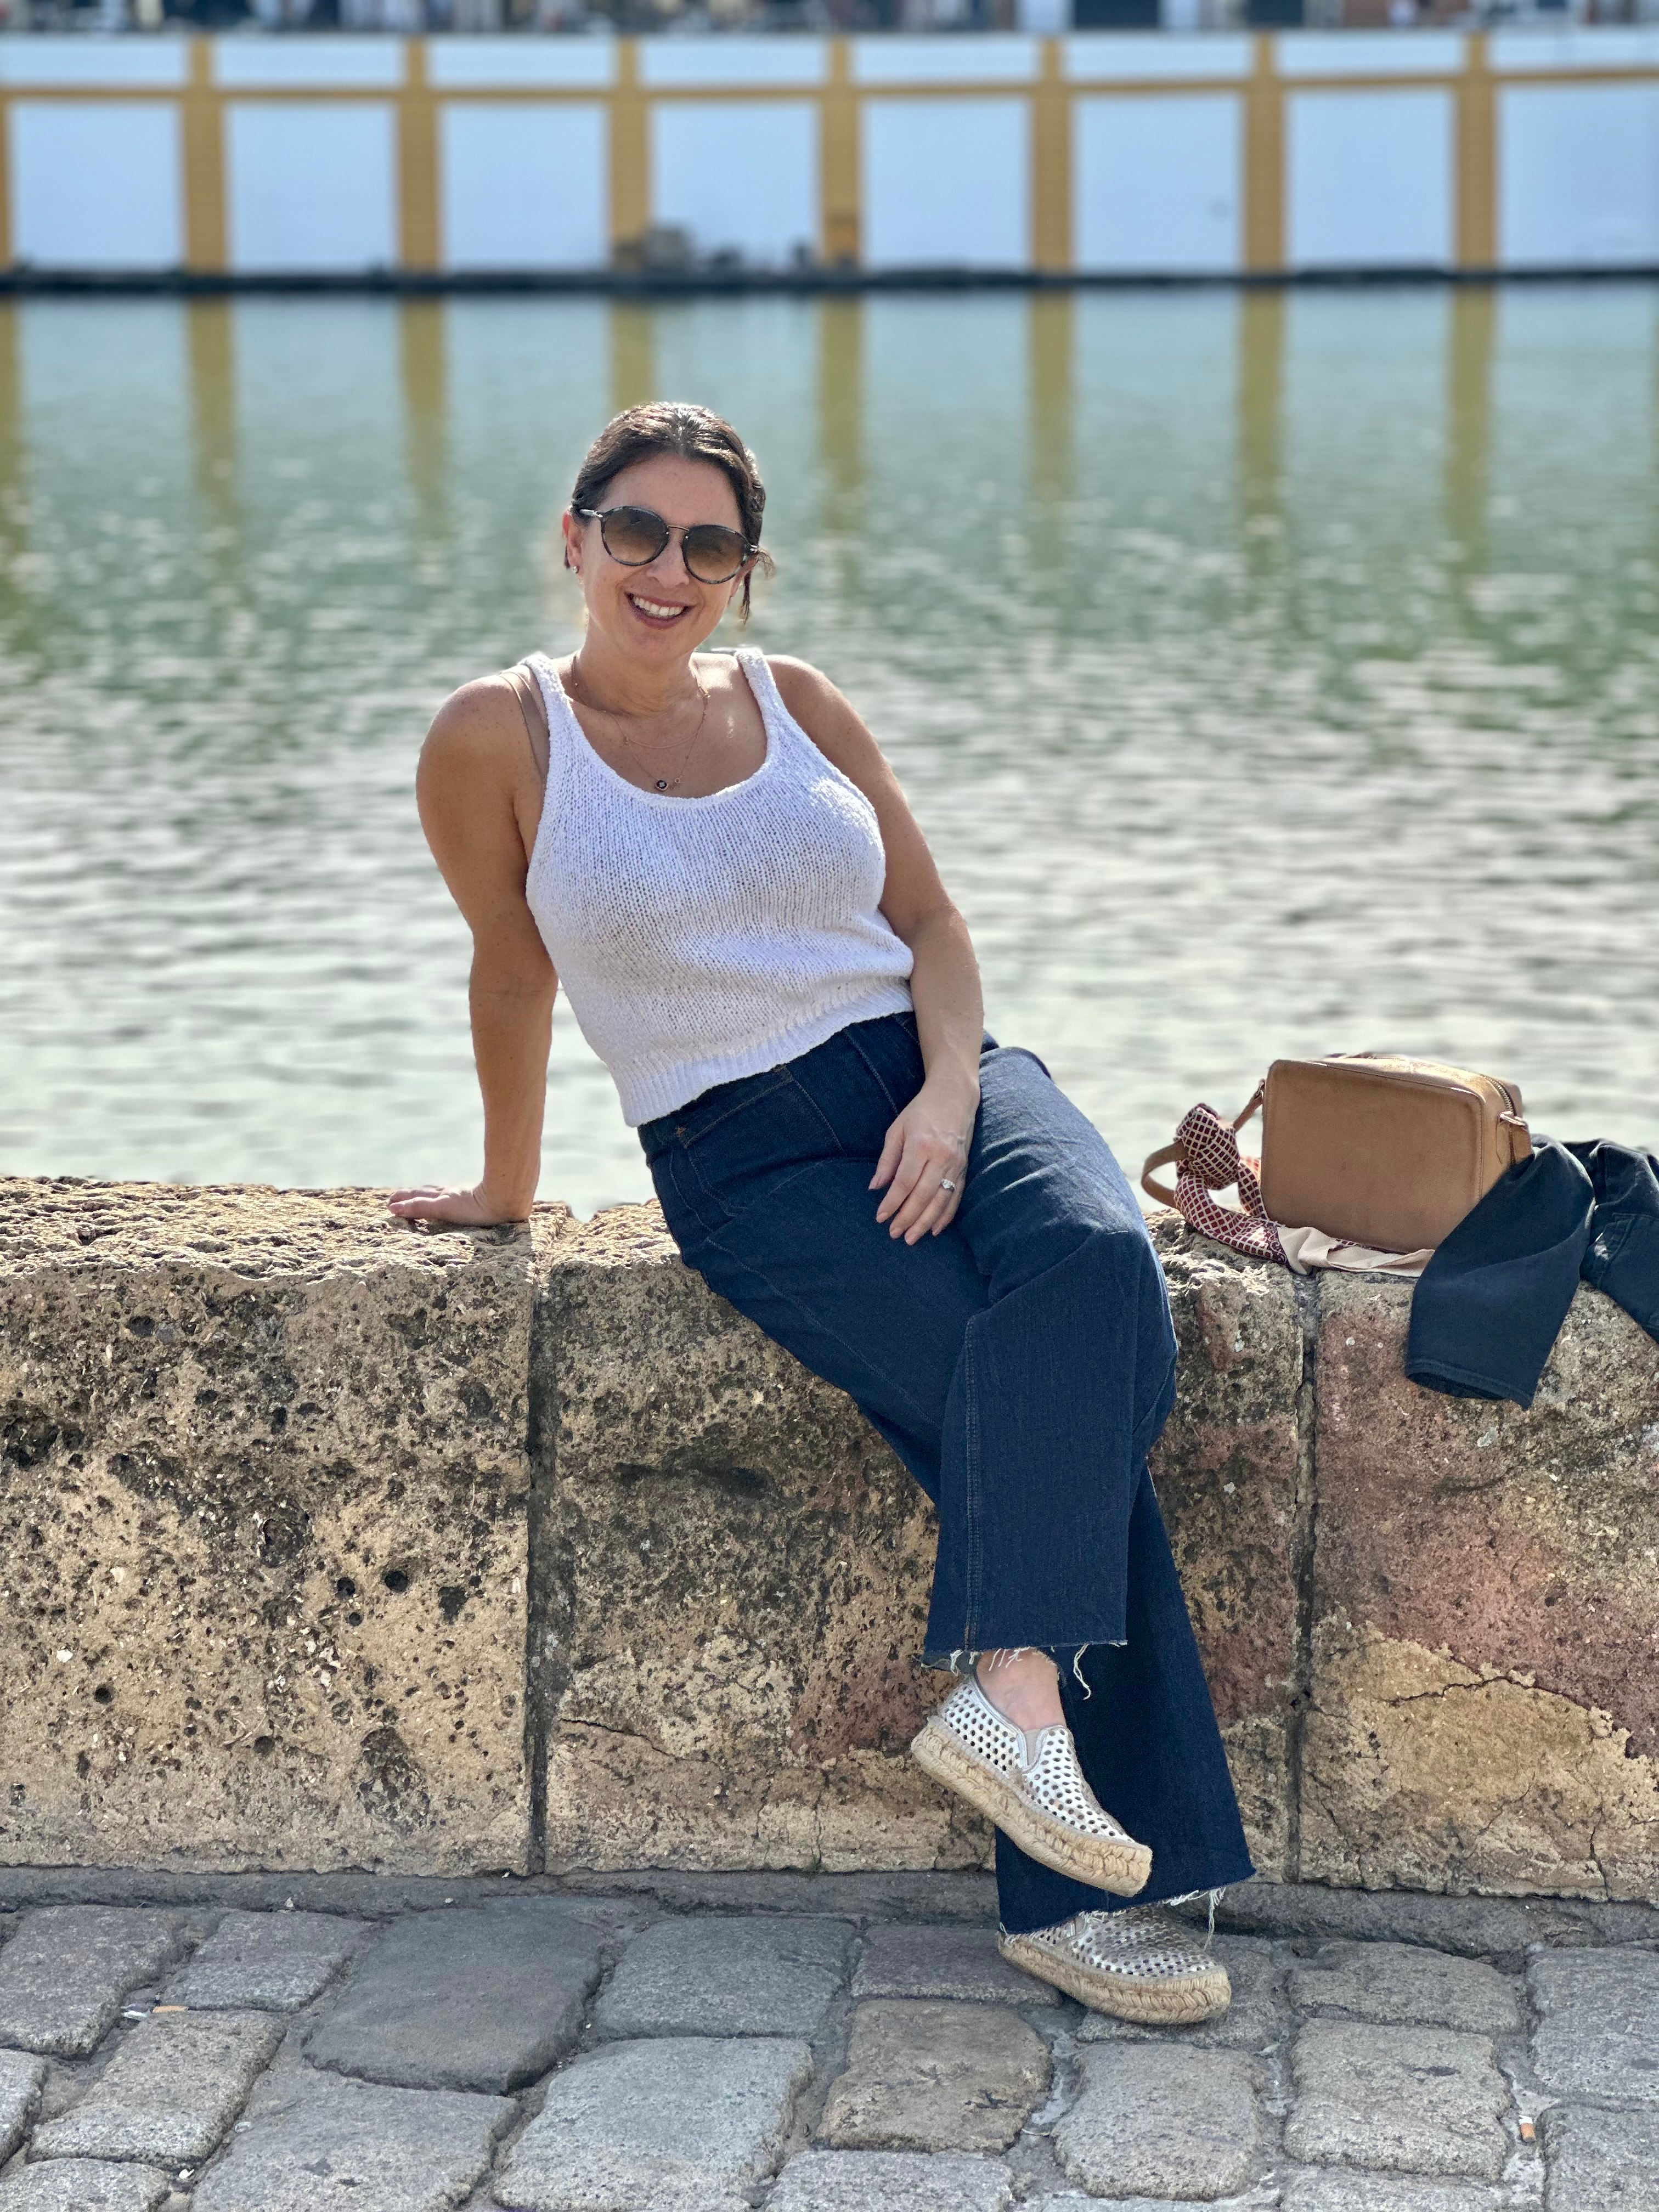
(96,184)
(309,186)
(522,185)
(1157,183)
(947,182)
(738,174)
(1579,175)
(1369,179)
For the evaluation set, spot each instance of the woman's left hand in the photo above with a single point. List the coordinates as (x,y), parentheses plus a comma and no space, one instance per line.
(925,1147)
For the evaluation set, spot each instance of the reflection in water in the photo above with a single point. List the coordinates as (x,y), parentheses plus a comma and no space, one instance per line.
(633,357)
(421,328)
(1050,398)
(1256,664)
(1261,408)
(841,406)
(1469,416)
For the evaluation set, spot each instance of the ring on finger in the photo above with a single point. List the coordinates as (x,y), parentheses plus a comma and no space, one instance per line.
(945,1184)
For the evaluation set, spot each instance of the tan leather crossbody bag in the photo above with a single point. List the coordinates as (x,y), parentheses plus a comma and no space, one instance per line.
(1375,1148)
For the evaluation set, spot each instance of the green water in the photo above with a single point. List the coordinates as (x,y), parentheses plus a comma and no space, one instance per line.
(1270,674)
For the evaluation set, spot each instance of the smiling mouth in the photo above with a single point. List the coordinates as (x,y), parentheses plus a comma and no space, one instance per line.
(661,612)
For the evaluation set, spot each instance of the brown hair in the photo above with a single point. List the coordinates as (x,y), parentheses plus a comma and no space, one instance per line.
(695,434)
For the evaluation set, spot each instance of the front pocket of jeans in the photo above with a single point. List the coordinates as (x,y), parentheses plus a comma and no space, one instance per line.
(761,1137)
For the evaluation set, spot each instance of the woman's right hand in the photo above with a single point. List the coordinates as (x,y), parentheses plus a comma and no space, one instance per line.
(464,1208)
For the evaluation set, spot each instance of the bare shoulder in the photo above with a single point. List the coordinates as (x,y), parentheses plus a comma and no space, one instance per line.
(477,728)
(828,717)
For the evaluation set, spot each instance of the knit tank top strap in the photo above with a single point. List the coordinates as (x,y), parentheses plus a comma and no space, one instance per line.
(565,742)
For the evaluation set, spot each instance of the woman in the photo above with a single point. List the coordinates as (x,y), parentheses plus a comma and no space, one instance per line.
(716,858)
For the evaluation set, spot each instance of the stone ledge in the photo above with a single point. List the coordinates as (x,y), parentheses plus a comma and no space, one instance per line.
(517,1550)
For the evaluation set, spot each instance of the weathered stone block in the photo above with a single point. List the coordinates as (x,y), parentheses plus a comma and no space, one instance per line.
(481,1999)
(1399,1983)
(1330,2189)
(905,1960)
(748,1974)
(1485,1710)
(83,2184)
(740,1572)
(1160,2121)
(1402,2100)
(21,2079)
(1596,2161)
(270,1961)
(1236,1492)
(315,2144)
(262,1510)
(63,1974)
(889,2181)
(932,2076)
(170,2091)
(1597,2035)
(680,2124)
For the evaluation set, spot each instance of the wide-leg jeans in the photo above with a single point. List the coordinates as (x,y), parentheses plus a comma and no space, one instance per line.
(1021,1364)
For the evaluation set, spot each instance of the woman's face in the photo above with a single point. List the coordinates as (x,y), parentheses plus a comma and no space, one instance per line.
(660,613)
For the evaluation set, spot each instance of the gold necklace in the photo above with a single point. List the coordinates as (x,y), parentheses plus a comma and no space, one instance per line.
(658,782)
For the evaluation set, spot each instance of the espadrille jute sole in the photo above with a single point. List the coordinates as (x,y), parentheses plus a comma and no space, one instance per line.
(1122,1867)
(1152,2003)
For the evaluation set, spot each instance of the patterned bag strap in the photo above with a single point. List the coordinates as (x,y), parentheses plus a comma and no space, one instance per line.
(1207,1159)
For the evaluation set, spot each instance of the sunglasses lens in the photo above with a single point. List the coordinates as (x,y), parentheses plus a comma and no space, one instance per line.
(713,554)
(633,535)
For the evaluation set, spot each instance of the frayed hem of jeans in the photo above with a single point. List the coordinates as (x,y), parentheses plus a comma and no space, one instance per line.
(963,1661)
(1158,1904)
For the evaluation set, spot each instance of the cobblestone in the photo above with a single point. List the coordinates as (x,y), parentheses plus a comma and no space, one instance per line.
(83,2184)
(963,1962)
(1160,2121)
(63,1974)
(1254,2021)
(1401,2099)
(1598,2034)
(21,2078)
(889,2181)
(1599,2162)
(765,1975)
(678,2123)
(484,1999)
(694,2107)
(1397,1982)
(267,1962)
(316,2143)
(170,2091)
(922,2075)
(1330,2189)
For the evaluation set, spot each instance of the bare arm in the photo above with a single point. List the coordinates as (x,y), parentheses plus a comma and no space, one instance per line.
(472,766)
(929,1140)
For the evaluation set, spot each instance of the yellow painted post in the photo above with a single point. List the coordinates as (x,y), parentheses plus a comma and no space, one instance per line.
(418,163)
(1051,164)
(1264,162)
(1477,159)
(203,125)
(630,156)
(840,228)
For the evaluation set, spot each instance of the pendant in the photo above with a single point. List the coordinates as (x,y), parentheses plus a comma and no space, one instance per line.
(663,784)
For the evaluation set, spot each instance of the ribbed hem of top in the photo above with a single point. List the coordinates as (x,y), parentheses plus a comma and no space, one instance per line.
(646,1098)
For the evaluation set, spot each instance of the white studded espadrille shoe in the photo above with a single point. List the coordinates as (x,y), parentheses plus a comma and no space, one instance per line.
(1027,1781)
(1140,1963)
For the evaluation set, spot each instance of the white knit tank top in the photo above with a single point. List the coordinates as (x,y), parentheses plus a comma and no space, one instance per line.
(701,940)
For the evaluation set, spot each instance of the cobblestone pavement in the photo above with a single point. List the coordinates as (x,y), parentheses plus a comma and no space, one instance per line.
(837,2043)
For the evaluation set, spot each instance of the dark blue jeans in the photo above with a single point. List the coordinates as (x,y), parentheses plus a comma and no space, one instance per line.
(1021,1364)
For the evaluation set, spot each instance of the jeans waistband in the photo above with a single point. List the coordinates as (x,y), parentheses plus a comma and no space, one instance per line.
(686,1123)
